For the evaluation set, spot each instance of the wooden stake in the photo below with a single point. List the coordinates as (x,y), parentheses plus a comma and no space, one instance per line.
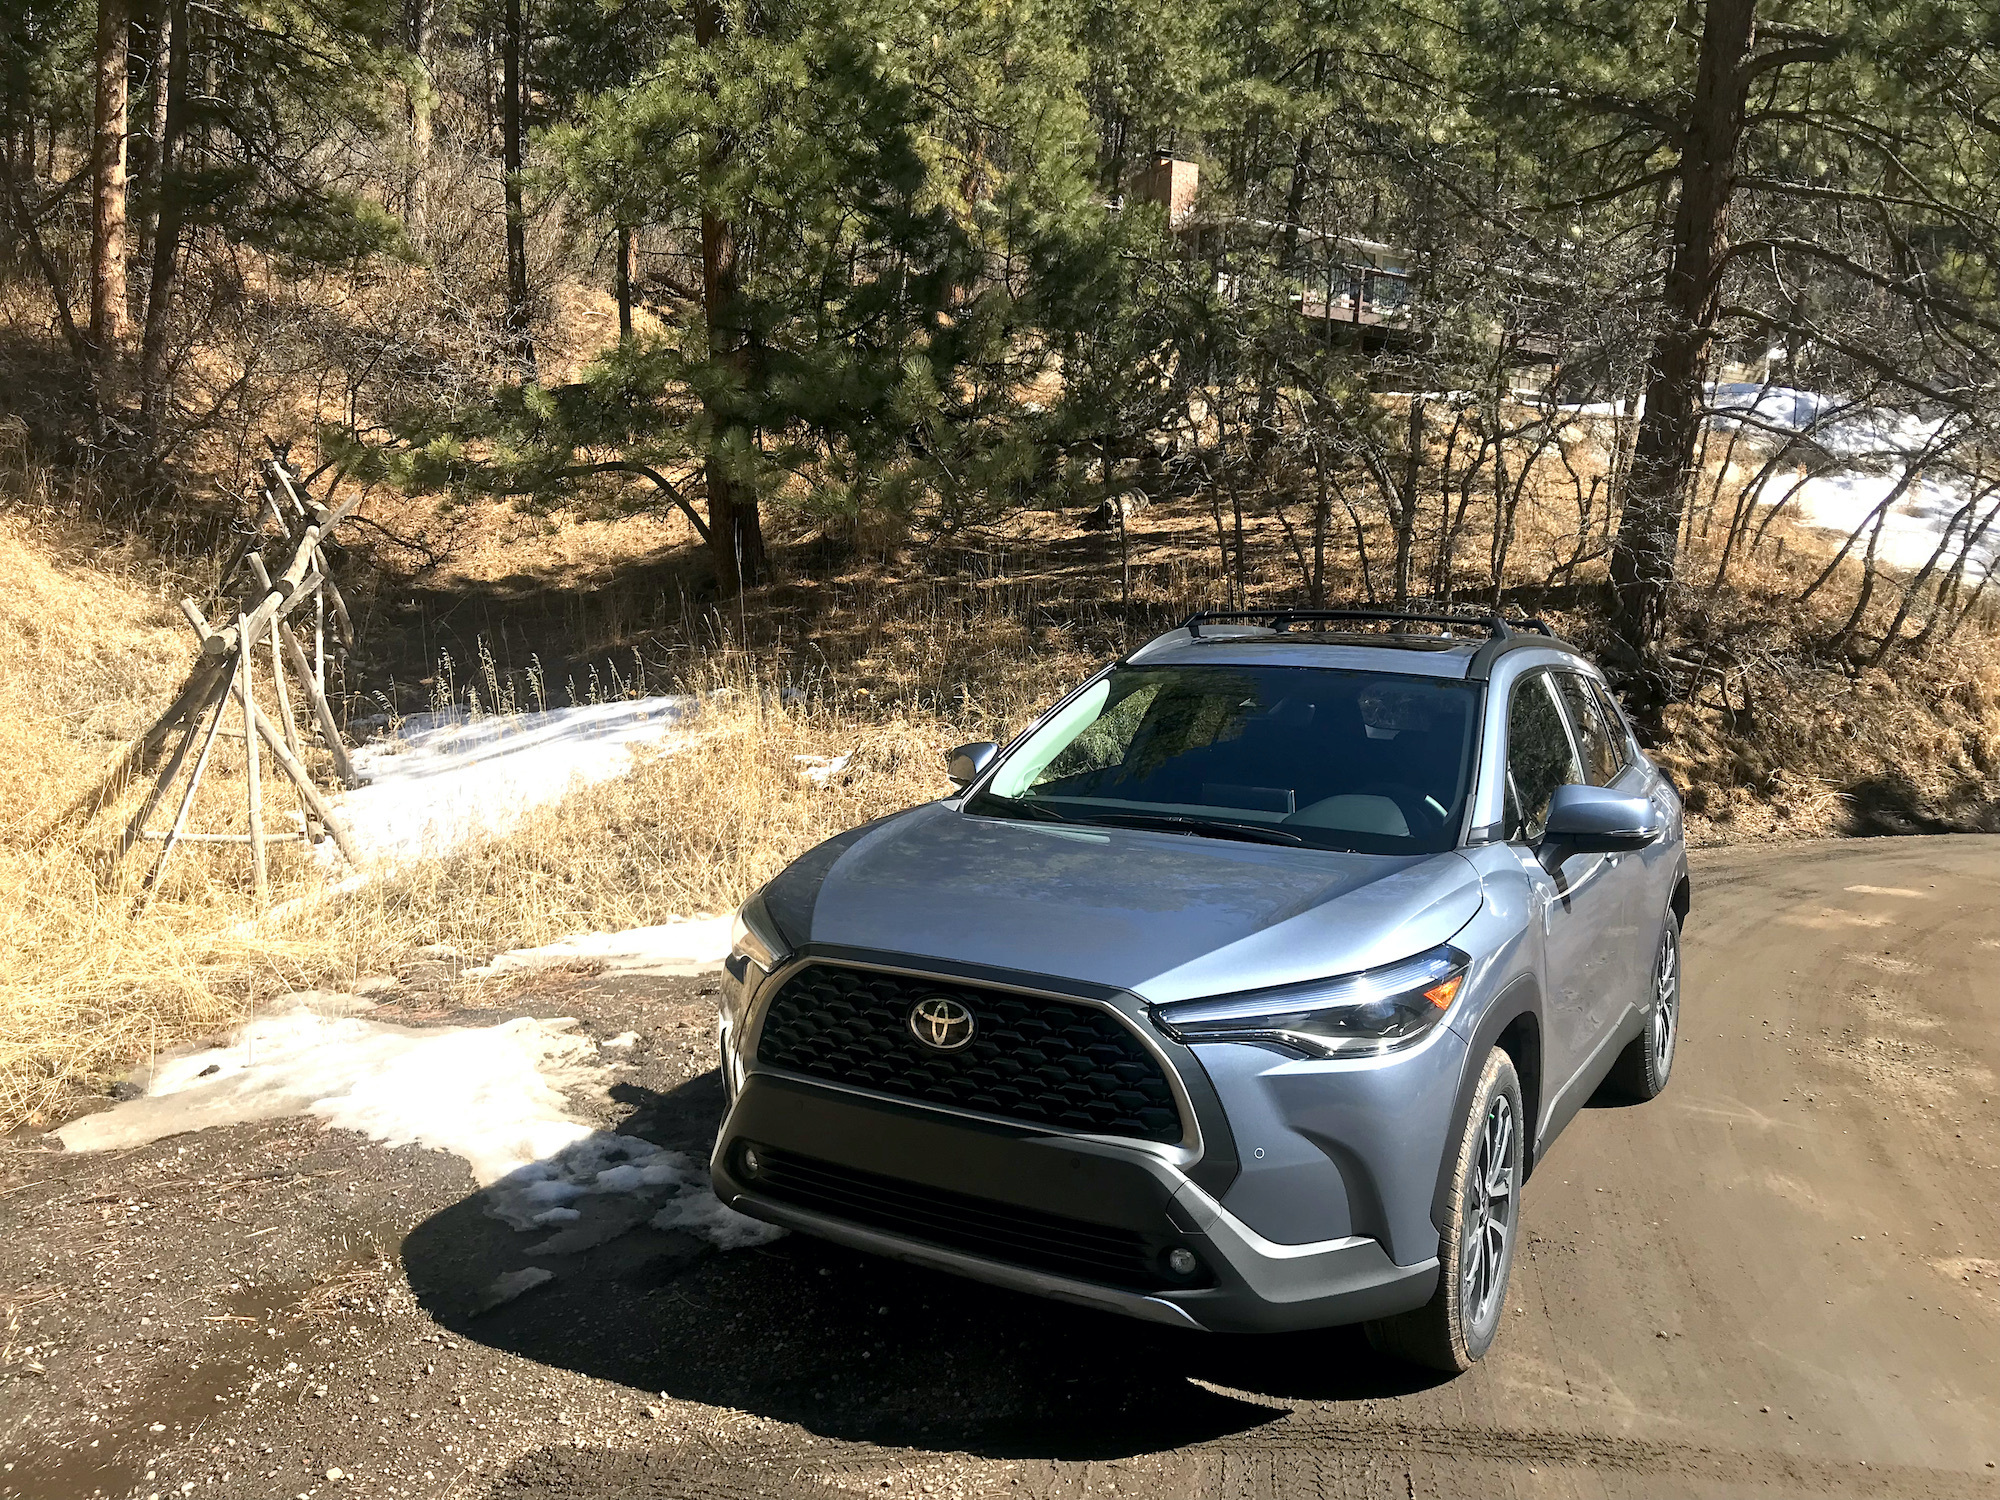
(136,829)
(342,623)
(285,722)
(316,700)
(187,801)
(285,479)
(276,514)
(247,696)
(310,793)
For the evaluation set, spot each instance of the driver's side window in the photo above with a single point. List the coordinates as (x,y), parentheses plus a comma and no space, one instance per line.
(1540,757)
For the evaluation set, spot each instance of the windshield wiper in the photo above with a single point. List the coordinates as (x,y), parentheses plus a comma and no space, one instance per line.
(1016,807)
(1214,828)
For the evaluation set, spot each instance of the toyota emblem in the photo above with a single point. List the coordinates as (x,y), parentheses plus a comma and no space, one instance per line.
(941,1022)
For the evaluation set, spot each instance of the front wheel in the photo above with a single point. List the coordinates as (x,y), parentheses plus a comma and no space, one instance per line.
(1643,1067)
(1476,1249)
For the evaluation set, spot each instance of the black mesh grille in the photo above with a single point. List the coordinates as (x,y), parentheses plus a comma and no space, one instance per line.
(1103,1253)
(1048,1062)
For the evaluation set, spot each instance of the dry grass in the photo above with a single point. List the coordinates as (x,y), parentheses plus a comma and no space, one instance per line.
(90,650)
(685,833)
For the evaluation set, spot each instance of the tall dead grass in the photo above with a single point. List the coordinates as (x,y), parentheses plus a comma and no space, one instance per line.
(90,650)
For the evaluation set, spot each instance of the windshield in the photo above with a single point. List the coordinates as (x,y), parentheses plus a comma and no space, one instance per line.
(1370,762)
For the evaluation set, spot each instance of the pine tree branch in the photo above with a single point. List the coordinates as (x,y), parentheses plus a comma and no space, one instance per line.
(1908,288)
(1866,358)
(1847,195)
(1827,49)
(660,482)
(1612,104)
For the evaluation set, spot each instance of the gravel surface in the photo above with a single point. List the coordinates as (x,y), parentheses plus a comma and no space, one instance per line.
(1782,1278)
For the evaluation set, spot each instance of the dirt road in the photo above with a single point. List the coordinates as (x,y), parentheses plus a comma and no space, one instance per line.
(1781,1278)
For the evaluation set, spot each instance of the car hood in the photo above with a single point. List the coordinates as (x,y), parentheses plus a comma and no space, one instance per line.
(1166,916)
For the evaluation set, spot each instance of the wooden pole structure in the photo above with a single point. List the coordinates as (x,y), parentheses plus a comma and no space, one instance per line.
(179,829)
(226,669)
(246,696)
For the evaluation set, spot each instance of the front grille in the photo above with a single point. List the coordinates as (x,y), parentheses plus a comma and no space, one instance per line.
(1103,1253)
(1033,1059)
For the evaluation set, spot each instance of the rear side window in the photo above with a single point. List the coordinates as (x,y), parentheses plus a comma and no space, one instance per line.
(1601,760)
(1621,734)
(1540,757)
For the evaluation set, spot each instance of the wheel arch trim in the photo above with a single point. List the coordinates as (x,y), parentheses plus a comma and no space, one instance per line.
(1515,1016)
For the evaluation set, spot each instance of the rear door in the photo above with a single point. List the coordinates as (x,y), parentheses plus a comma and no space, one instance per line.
(1573,901)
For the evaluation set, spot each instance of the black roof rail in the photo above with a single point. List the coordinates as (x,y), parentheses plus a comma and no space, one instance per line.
(1279,617)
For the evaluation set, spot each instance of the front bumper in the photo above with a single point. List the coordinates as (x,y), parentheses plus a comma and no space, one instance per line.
(1081,1219)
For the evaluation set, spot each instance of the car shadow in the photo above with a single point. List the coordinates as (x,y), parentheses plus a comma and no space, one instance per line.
(863,1349)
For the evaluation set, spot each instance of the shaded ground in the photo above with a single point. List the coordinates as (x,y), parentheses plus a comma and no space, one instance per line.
(1782,1278)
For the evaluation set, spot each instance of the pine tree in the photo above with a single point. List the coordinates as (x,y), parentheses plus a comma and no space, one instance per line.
(1824,174)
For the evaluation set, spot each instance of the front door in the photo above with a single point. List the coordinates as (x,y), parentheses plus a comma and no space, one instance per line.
(1632,935)
(1578,903)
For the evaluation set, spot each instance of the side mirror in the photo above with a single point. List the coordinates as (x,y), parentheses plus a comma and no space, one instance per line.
(1595,820)
(965,763)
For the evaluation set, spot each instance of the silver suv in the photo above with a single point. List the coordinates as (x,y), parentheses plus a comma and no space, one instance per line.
(1241,992)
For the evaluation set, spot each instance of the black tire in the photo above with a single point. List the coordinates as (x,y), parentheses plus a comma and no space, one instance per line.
(1453,1330)
(1643,1068)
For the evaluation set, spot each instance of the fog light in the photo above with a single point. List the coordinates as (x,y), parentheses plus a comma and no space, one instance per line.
(1182,1262)
(753,1164)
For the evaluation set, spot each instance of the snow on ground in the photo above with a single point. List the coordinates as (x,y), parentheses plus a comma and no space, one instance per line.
(820,769)
(444,777)
(692,946)
(494,1095)
(1879,443)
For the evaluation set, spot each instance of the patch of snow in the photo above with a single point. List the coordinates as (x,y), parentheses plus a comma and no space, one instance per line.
(695,945)
(1838,424)
(445,777)
(1879,442)
(494,1095)
(820,769)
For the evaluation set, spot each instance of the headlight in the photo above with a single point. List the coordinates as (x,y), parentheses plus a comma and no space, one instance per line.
(1354,1015)
(754,936)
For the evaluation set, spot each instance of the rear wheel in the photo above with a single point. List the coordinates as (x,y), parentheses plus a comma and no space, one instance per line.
(1642,1069)
(1476,1250)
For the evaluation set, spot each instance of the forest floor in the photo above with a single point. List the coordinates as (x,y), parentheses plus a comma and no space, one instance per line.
(1777,1279)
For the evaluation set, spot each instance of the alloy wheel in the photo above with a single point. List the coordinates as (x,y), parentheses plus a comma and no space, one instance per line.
(1489,1216)
(1666,1001)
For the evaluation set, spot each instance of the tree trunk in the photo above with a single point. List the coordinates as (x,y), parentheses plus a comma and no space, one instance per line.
(521,344)
(1406,502)
(159,49)
(1644,557)
(622,278)
(107,182)
(735,529)
(166,240)
(419,101)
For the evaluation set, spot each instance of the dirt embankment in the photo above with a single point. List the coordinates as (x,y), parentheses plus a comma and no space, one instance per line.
(1781,1278)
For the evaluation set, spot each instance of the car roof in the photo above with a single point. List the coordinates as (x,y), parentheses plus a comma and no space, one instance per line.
(1464,649)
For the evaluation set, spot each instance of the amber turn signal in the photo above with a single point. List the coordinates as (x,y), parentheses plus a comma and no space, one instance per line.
(1441,995)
